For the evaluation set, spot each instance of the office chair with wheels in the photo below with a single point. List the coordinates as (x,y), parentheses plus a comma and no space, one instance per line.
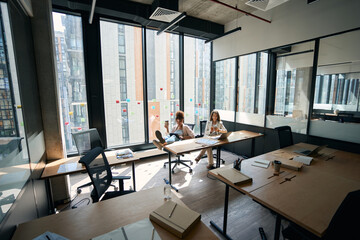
(178,160)
(101,177)
(202,133)
(343,224)
(285,136)
(85,141)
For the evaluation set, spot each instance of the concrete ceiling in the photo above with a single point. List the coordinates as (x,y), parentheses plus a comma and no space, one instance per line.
(210,11)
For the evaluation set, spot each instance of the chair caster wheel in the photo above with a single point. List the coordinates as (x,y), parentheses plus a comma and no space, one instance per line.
(164,166)
(190,171)
(78,191)
(173,171)
(191,163)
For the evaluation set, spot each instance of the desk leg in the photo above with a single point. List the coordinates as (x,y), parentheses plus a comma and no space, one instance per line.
(133,174)
(253,147)
(169,182)
(277,227)
(223,231)
(218,151)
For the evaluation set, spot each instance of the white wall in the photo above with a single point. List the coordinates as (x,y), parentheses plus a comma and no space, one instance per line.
(292,22)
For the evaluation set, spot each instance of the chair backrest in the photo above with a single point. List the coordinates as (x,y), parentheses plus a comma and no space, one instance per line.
(344,225)
(191,125)
(87,140)
(99,171)
(285,136)
(202,127)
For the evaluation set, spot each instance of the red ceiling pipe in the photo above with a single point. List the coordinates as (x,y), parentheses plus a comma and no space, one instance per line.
(235,8)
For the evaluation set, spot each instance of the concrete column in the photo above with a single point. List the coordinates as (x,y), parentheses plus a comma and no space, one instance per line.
(42,30)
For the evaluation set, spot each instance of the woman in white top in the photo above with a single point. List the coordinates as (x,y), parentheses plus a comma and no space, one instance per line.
(213,127)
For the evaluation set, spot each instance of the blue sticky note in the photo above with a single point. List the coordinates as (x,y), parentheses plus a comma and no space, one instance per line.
(153,107)
(128,100)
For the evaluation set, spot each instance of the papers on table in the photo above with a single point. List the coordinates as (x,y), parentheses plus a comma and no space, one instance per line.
(206,141)
(142,229)
(67,167)
(303,159)
(124,153)
(50,236)
(261,163)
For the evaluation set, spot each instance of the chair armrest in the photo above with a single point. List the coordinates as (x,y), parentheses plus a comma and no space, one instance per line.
(121,177)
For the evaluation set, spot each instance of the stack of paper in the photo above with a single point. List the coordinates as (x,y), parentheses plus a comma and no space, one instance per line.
(206,141)
(175,218)
(124,153)
(261,163)
(303,159)
(141,230)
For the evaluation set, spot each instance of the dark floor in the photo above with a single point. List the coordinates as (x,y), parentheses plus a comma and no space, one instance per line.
(198,191)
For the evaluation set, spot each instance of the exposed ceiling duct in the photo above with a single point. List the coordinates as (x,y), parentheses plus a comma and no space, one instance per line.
(265,5)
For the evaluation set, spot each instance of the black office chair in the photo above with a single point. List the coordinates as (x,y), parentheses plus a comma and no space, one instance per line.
(202,133)
(85,141)
(285,136)
(178,160)
(101,177)
(343,224)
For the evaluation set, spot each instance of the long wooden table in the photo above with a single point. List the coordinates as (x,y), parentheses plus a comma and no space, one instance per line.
(311,198)
(51,168)
(102,217)
(190,145)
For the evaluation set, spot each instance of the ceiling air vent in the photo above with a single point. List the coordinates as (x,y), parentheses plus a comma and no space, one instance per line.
(265,5)
(164,15)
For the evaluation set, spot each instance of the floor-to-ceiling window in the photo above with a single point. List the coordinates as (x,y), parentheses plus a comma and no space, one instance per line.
(70,76)
(196,81)
(225,95)
(121,54)
(162,53)
(252,78)
(14,159)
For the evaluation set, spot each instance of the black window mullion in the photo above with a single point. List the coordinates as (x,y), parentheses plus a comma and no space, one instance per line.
(181,71)
(145,91)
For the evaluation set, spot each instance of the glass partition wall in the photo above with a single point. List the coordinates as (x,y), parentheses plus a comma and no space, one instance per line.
(293,82)
(252,79)
(337,88)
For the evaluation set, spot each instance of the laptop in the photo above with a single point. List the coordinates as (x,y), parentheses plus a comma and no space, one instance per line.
(222,136)
(310,152)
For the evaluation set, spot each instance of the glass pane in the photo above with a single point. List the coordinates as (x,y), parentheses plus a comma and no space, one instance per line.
(71,76)
(196,81)
(337,88)
(162,54)
(252,88)
(121,54)
(14,159)
(293,77)
(225,88)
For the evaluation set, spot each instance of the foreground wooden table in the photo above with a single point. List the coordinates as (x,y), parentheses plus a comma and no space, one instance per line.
(311,198)
(102,217)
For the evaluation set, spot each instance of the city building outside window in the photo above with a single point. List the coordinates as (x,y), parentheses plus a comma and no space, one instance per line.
(225,88)
(162,80)
(197,56)
(121,54)
(71,76)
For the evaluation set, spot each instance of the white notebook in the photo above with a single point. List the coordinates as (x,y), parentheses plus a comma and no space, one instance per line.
(303,159)
(261,163)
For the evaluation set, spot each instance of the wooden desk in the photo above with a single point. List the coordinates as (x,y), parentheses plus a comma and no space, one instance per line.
(312,197)
(102,217)
(190,145)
